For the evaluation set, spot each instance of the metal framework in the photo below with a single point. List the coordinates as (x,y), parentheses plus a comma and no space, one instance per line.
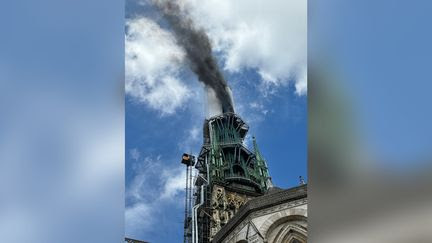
(189,161)
(228,158)
(224,161)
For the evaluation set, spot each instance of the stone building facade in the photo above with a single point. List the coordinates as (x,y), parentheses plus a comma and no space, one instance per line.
(279,216)
(235,200)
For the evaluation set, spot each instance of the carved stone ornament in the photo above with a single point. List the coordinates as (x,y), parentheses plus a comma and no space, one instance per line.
(224,205)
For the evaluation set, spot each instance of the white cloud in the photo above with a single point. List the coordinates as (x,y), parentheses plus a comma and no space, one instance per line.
(153,62)
(270,37)
(192,137)
(138,216)
(194,133)
(258,107)
(174,183)
(135,154)
(154,186)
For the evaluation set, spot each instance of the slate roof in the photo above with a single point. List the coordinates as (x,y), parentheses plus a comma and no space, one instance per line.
(274,196)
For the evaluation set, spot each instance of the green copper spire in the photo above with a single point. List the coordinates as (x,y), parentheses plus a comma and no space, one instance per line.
(229,162)
(262,165)
(229,173)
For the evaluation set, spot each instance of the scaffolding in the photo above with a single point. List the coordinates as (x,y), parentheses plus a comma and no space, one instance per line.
(189,161)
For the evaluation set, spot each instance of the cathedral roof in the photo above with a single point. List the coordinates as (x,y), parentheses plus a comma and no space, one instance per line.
(273,189)
(274,196)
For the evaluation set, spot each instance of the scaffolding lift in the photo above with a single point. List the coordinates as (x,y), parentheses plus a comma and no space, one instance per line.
(189,161)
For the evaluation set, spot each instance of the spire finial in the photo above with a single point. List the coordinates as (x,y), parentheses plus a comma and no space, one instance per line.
(302,181)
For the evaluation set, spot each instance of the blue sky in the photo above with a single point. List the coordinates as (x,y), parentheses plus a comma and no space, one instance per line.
(62,121)
(268,94)
(381,50)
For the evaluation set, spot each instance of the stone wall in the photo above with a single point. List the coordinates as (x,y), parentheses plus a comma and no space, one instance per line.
(224,205)
(278,224)
(277,217)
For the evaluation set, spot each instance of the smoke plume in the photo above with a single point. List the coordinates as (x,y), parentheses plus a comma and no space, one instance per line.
(198,51)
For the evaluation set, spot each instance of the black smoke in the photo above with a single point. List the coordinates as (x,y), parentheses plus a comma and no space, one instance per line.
(198,51)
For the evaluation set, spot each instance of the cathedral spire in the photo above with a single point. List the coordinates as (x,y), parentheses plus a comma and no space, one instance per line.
(262,164)
(231,175)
